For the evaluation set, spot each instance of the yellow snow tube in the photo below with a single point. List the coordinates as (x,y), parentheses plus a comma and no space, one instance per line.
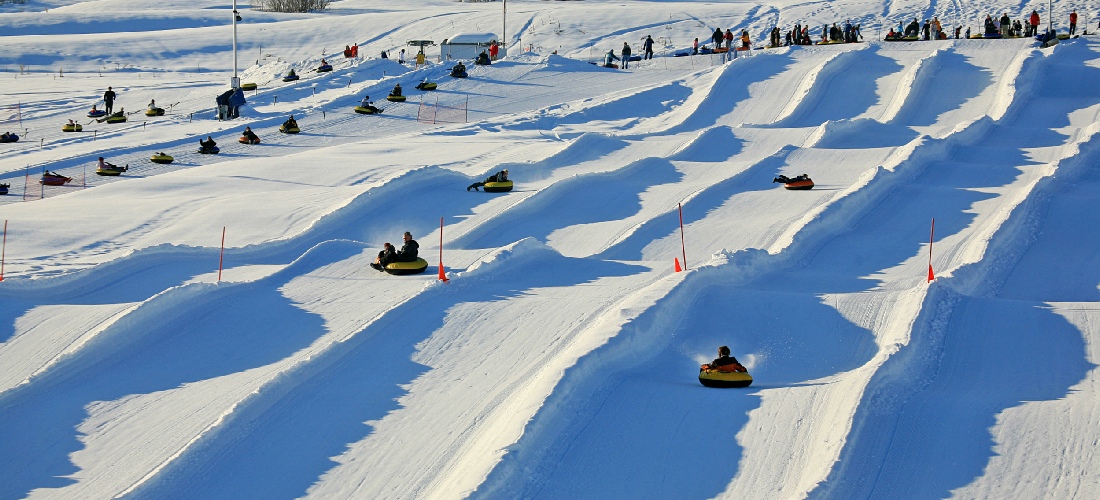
(497,187)
(76,127)
(717,377)
(415,267)
(162,159)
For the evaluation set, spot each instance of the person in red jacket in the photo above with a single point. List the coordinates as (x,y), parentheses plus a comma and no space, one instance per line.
(1072,22)
(494,49)
(729,39)
(1034,22)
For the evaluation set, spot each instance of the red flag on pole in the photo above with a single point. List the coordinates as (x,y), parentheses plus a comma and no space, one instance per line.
(931,275)
(683,249)
(442,275)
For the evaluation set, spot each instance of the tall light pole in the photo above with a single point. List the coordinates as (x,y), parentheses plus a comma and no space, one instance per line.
(235,82)
(504,29)
(1050,15)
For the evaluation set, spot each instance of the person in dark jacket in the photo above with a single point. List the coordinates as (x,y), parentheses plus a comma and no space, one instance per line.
(236,100)
(647,45)
(408,251)
(497,177)
(250,135)
(108,100)
(459,70)
(626,55)
(386,256)
(208,144)
(717,37)
(724,359)
(483,59)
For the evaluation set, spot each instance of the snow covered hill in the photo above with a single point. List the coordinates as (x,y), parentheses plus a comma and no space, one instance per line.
(559,360)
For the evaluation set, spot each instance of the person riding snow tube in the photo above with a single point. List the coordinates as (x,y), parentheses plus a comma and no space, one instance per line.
(401,268)
(798,183)
(117,117)
(459,71)
(162,158)
(426,85)
(8,137)
(249,137)
(96,113)
(290,126)
(154,112)
(395,94)
(724,371)
(208,146)
(367,109)
(109,170)
(325,67)
(290,76)
(72,127)
(53,179)
(4,189)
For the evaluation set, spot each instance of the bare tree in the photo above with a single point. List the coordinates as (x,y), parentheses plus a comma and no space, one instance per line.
(290,5)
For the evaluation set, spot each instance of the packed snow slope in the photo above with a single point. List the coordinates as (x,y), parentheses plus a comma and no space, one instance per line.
(140,360)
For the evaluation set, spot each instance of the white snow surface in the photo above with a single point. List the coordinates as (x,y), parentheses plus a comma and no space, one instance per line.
(559,361)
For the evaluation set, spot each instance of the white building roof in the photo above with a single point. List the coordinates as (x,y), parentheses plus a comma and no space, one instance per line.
(472,38)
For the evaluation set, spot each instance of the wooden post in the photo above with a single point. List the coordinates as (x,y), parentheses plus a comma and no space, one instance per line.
(221,256)
(3,250)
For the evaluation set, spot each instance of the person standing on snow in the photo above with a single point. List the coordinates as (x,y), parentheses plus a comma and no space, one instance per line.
(108,100)
(647,45)
(626,55)
(236,100)
(1034,21)
(1072,22)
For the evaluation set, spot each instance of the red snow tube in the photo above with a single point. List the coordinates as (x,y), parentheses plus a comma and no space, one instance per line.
(799,185)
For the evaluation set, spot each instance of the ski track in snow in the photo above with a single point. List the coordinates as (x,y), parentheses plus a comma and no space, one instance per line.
(559,360)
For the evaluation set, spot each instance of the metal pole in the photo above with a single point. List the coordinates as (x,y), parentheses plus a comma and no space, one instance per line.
(235,82)
(504,28)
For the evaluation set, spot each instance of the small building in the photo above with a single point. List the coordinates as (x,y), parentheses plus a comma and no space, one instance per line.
(467,46)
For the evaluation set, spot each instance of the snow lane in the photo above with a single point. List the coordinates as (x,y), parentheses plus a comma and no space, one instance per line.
(936,371)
